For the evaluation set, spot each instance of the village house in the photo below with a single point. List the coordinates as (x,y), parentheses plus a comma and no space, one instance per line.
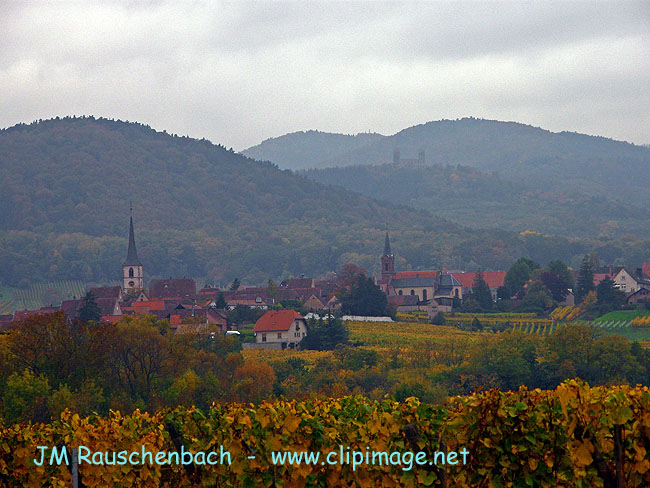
(642,295)
(629,281)
(280,329)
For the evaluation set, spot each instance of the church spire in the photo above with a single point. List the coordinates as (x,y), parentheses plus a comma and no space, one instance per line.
(387,262)
(132,254)
(387,251)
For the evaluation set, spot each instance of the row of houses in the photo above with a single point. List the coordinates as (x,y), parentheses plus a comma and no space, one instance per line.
(311,293)
(171,299)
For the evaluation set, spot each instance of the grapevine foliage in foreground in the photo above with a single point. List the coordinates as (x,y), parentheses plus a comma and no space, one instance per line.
(564,437)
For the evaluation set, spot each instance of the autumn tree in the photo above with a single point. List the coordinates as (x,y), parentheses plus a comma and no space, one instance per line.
(253,381)
(349,275)
(138,355)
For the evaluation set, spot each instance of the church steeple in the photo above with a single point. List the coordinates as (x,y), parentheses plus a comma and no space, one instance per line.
(387,251)
(387,262)
(132,254)
(132,269)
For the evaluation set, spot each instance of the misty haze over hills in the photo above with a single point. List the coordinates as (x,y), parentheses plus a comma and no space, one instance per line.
(489,173)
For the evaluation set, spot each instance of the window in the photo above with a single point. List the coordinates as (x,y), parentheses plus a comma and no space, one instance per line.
(386,267)
(263,337)
(130,272)
(399,293)
(297,326)
(412,292)
(279,335)
(424,295)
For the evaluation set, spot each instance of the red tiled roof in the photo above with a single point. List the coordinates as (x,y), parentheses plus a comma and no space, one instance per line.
(71,307)
(276,320)
(598,277)
(208,292)
(173,287)
(106,305)
(494,279)
(300,283)
(148,305)
(415,274)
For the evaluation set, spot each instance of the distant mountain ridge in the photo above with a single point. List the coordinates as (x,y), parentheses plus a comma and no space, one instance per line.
(568,183)
(294,150)
(570,161)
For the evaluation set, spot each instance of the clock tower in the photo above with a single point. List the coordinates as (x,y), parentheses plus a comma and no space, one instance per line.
(132,275)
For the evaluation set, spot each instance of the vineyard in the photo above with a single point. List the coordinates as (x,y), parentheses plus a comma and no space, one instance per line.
(572,436)
(43,294)
(396,334)
(40,295)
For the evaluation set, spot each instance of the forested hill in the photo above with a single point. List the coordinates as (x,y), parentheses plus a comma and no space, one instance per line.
(80,175)
(307,149)
(471,197)
(199,209)
(565,160)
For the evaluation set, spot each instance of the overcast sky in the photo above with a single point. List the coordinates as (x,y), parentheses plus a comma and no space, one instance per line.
(237,73)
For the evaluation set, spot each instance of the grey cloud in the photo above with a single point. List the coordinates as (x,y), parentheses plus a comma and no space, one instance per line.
(237,72)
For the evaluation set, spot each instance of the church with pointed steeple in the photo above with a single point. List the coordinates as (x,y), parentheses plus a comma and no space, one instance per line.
(387,263)
(132,270)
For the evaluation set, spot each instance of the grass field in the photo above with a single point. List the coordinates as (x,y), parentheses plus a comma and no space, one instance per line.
(623,315)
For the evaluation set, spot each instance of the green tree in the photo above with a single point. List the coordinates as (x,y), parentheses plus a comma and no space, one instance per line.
(562,271)
(236,283)
(90,311)
(364,298)
(26,397)
(511,356)
(221,301)
(481,293)
(325,335)
(585,279)
(537,299)
(518,274)
(609,297)
(570,352)
(272,290)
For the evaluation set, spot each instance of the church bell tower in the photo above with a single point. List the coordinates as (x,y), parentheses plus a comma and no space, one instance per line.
(132,275)
(387,263)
